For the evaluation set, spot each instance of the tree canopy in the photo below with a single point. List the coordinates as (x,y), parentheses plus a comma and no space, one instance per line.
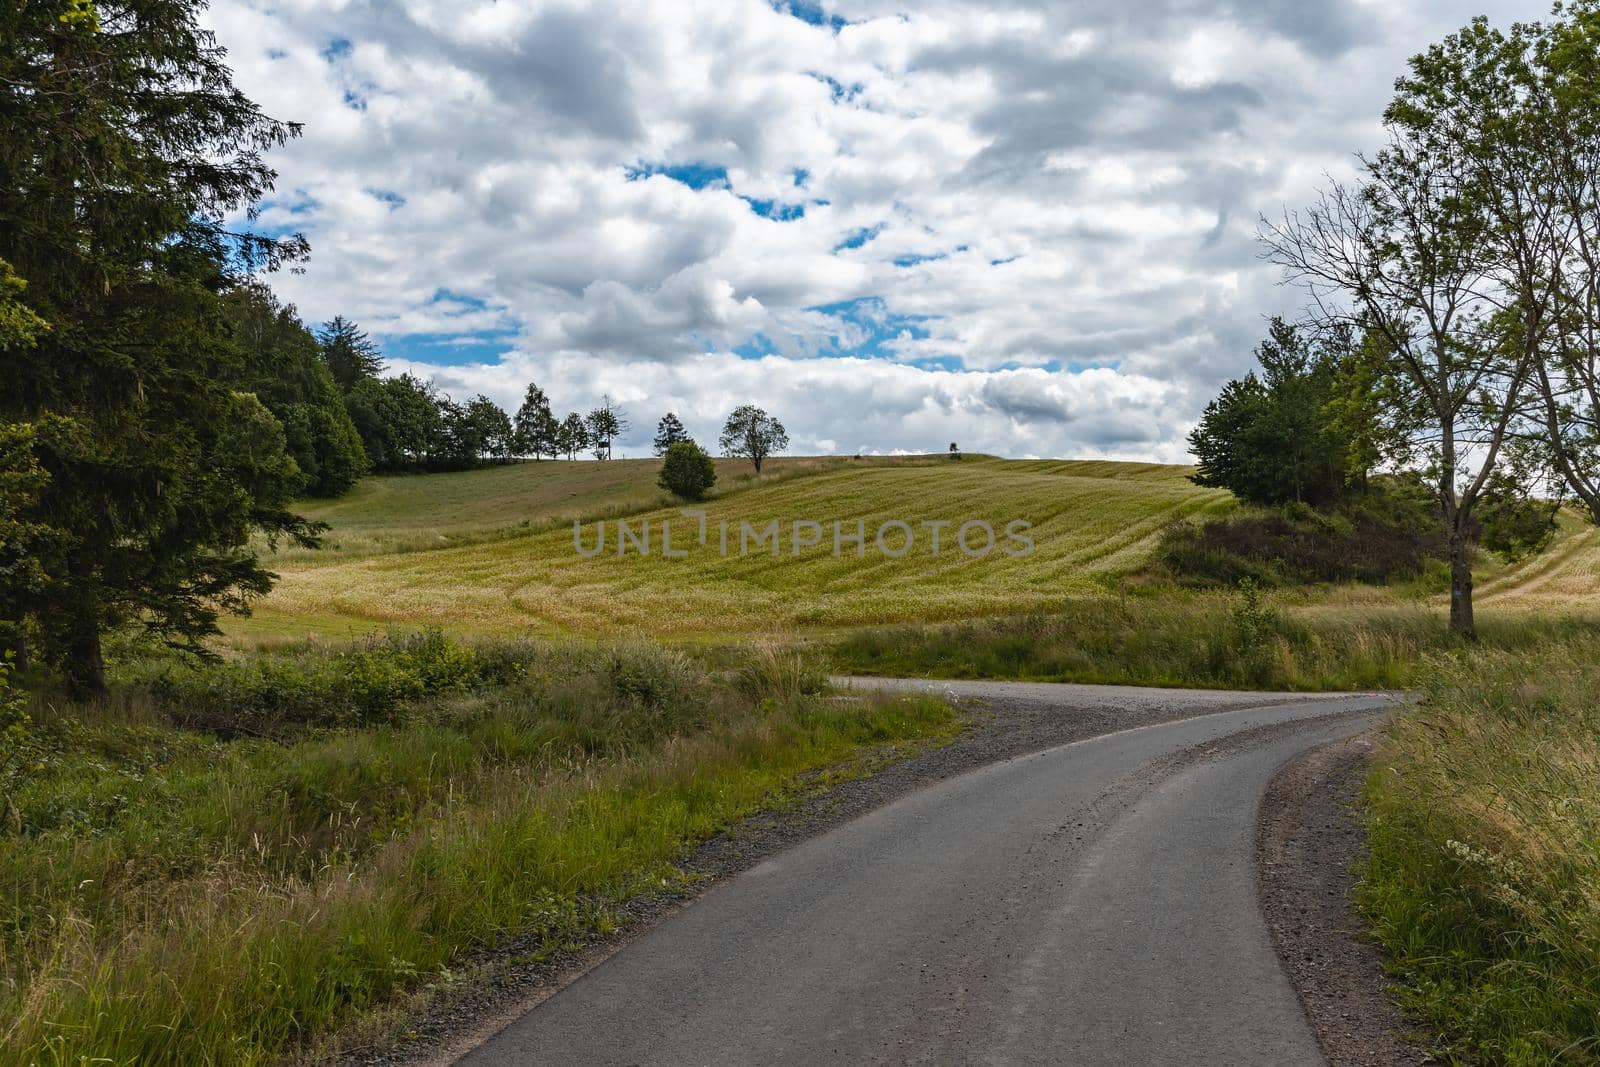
(124,151)
(750,433)
(1275,438)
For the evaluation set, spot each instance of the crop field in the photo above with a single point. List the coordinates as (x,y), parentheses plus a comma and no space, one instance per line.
(402,511)
(1090,521)
(493,551)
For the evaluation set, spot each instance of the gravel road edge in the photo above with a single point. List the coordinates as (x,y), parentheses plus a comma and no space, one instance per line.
(1309,842)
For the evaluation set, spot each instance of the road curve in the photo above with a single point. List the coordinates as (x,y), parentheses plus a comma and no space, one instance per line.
(1091,903)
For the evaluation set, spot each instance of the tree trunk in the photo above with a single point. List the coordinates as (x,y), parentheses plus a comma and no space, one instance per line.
(86,665)
(1461,620)
(20,659)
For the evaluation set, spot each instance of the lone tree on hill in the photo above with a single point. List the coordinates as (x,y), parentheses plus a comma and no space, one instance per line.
(669,431)
(687,471)
(606,422)
(752,434)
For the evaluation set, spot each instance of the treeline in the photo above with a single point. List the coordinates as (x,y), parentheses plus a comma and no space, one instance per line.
(342,418)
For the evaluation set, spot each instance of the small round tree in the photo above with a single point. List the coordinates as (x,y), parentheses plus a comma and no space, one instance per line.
(687,471)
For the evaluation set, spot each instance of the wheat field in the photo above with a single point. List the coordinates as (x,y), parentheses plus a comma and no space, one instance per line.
(495,550)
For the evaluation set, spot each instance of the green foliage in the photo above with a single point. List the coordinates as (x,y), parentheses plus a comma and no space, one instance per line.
(752,434)
(171,898)
(1483,810)
(131,388)
(537,431)
(16,745)
(349,354)
(19,324)
(475,431)
(603,425)
(669,431)
(572,435)
(283,366)
(1277,438)
(687,471)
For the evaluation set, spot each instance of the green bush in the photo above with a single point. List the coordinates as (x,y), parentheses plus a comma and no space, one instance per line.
(371,682)
(687,471)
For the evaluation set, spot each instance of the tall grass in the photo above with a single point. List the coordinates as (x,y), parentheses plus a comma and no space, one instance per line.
(1484,876)
(1168,638)
(170,896)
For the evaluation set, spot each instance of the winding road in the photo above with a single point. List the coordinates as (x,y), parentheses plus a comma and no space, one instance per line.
(1092,902)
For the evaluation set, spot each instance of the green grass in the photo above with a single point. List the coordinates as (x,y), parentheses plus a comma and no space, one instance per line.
(1484,877)
(169,896)
(1090,523)
(414,512)
(1169,637)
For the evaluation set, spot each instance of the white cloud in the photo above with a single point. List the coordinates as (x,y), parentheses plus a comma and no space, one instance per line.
(1060,198)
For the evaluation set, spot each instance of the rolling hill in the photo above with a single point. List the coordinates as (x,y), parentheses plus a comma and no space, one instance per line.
(494,550)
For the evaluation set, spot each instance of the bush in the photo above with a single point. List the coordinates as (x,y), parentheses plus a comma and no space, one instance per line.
(371,682)
(1389,533)
(687,471)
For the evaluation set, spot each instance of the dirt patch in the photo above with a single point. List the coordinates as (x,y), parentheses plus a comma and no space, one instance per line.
(1308,842)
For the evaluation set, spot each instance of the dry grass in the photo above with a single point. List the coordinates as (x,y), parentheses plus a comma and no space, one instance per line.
(1091,522)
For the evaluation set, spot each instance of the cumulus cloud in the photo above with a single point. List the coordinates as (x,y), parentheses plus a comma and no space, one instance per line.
(1024,226)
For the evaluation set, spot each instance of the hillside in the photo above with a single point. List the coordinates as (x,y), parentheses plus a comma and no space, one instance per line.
(518,567)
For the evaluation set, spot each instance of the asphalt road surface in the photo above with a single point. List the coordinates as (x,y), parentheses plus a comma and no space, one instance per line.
(1091,903)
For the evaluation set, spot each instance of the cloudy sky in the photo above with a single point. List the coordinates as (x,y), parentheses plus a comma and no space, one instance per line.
(1025,227)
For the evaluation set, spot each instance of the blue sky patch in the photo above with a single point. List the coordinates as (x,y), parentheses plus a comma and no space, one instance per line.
(810,11)
(337,49)
(913,260)
(694,175)
(772,209)
(388,196)
(860,237)
(837,89)
(445,349)
(877,326)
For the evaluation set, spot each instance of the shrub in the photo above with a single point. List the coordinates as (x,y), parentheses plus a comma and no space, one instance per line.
(687,471)
(1389,533)
(371,682)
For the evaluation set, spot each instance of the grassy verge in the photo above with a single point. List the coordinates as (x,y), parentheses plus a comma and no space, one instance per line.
(372,815)
(1203,641)
(1484,876)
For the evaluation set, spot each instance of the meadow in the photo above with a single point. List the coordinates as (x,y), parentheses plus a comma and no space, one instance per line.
(1091,522)
(237,863)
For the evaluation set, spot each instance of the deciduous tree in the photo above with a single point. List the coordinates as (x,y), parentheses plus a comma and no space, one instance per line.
(752,434)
